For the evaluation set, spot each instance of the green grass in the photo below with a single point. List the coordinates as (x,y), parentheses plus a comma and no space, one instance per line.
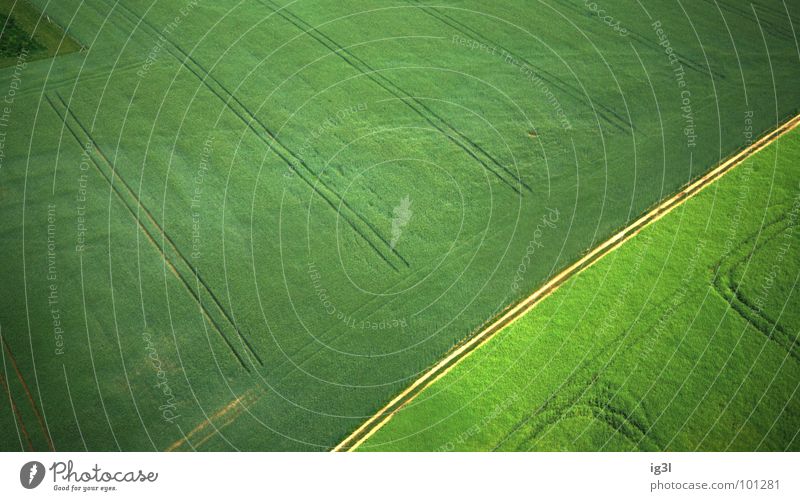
(683,339)
(27,33)
(229,229)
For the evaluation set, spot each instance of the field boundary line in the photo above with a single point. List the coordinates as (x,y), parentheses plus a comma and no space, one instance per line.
(379,419)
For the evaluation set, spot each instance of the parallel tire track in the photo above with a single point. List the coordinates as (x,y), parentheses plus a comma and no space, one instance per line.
(731,291)
(773,29)
(700,68)
(29,396)
(66,113)
(335,201)
(101,74)
(473,149)
(17,415)
(609,115)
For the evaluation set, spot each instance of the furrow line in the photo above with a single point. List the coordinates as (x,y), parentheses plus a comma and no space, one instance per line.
(473,149)
(545,75)
(153,240)
(174,246)
(320,187)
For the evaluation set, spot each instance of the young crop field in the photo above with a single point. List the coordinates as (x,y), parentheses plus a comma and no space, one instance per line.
(249,224)
(684,339)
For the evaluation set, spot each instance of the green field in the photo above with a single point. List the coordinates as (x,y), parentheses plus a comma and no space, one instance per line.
(683,339)
(247,225)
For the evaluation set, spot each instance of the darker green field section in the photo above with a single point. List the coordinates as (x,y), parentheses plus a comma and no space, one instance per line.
(248,225)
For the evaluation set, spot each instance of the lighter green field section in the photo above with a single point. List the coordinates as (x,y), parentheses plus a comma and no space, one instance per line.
(201,232)
(683,339)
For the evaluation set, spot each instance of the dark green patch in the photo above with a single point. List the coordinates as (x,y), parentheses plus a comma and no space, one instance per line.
(15,41)
(29,34)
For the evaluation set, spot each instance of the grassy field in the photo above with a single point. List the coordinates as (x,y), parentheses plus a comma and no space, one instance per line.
(685,338)
(249,224)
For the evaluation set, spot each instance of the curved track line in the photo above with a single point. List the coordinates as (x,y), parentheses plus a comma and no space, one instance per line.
(379,419)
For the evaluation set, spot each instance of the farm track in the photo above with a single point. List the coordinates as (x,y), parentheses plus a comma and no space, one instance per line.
(782,14)
(40,86)
(28,395)
(593,399)
(731,292)
(698,67)
(606,113)
(771,28)
(473,149)
(331,197)
(571,384)
(379,419)
(152,234)
(230,412)
(17,415)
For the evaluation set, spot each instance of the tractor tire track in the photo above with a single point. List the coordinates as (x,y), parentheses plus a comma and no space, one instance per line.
(17,415)
(593,399)
(770,27)
(330,200)
(291,159)
(647,42)
(28,394)
(608,114)
(781,15)
(83,77)
(690,64)
(174,247)
(153,238)
(571,382)
(167,237)
(731,291)
(473,149)
(163,232)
